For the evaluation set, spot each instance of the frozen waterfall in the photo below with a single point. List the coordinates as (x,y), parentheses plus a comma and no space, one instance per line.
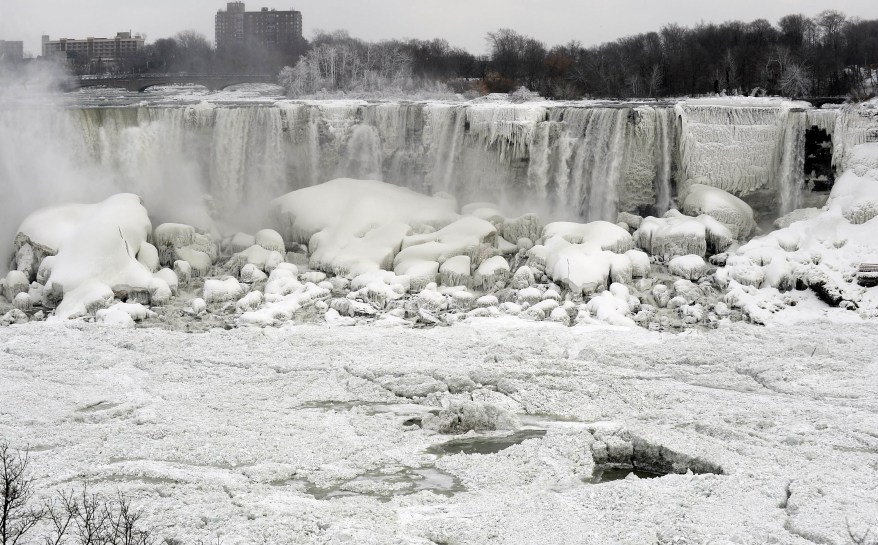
(577,161)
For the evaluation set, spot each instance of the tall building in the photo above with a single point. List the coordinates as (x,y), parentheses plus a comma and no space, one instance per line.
(277,29)
(11,51)
(93,49)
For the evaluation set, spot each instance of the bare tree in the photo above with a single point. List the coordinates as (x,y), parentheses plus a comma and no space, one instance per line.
(17,517)
(794,81)
(77,519)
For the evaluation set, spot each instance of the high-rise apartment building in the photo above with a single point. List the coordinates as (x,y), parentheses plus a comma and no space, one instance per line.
(93,49)
(277,29)
(11,51)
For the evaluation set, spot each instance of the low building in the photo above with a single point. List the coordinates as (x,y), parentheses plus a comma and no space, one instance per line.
(280,30)
(94,49)
(11,51)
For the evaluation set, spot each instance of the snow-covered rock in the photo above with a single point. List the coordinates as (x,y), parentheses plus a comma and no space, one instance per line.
(722,206)
(691,267)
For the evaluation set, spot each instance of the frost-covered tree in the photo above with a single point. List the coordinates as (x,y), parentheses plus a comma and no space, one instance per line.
(347,64)
(794,81)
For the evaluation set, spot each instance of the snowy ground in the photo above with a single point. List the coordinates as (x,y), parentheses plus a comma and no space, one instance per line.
(309,434)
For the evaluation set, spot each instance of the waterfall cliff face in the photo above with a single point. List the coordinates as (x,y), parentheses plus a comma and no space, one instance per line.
(566,161)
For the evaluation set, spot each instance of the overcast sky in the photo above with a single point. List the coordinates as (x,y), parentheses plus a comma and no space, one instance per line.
(461,22)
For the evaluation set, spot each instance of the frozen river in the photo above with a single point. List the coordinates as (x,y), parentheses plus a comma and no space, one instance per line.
(320,434)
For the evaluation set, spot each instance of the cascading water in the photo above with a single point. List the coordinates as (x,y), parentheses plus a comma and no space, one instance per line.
(791,161)
(664,159)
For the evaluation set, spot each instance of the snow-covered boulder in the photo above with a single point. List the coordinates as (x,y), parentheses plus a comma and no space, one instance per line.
(582,268)
(270,240)
(16,282)
(170,278)
(176,241)
(160,292)
(355,226)
(240,242)
(491,273)
(218,290)
(604,234)
(722,206)
(95,244)
(640,265)
(523,278)
(148,255)
(611,306)
(528,226)
(691,267)
(456,271)
(23,302)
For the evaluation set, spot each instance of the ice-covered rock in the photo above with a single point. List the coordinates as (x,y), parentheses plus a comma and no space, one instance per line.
(722,206)
(611,306)
(251,274)
(218,290)
(523,278)
(148,255)
(249,302)
(170,279)
(360,223)
(528,226)
(456,271)
(640,265)
(23,301)
(96,245)
(605,235)
(491,273)
(160,292)
(270,240)
(183,270)
(691,267)
(582,268)
(15,282)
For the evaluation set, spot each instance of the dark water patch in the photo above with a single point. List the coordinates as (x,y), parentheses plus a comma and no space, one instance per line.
(484,444)
(383,486)
(605,474)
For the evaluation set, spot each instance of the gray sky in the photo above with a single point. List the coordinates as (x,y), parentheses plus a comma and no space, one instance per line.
(461,22)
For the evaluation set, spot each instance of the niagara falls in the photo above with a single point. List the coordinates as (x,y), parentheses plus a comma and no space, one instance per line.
(567,275)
